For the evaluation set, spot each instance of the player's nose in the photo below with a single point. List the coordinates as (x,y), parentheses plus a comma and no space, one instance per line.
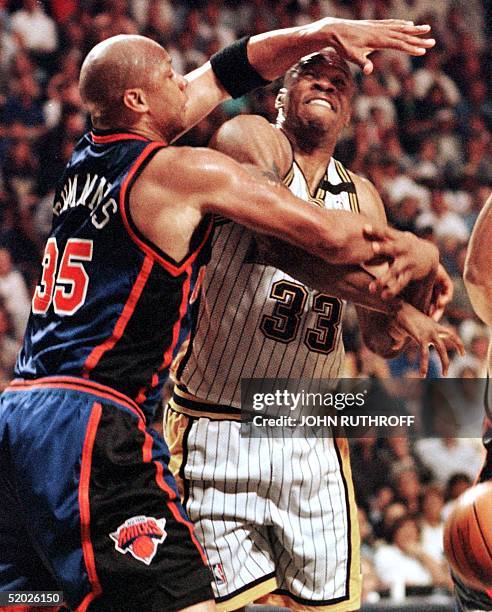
(324,83)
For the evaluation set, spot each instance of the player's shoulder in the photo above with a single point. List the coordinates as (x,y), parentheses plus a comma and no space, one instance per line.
(251,139)
(369,199)
(169,163)
(361,183)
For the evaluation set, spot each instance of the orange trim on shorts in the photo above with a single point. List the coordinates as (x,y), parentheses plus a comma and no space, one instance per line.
(84,505)
(162,484)
(77,384)
(125,316)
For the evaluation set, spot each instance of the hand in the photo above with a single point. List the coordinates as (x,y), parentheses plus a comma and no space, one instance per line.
(412,259)
(442,293)
(355,40)
(426,332)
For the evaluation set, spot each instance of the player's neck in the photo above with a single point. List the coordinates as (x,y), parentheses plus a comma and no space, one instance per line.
(313,165)
(139,128)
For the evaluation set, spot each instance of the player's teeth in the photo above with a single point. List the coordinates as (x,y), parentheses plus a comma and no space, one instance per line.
(322,103)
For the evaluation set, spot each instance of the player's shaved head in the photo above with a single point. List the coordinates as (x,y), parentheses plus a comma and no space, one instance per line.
(112,67)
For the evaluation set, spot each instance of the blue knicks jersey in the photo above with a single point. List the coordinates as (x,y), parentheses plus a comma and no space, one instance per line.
(110,306)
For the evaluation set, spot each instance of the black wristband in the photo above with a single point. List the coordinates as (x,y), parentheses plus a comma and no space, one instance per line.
(232,68)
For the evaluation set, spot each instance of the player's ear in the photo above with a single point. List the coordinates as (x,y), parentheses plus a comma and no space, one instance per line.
(135,100)
(280,99)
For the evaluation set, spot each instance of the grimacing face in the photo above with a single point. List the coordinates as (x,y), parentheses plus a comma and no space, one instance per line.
(319,94)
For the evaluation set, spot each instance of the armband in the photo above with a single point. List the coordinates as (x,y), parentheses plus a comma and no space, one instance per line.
(232,68)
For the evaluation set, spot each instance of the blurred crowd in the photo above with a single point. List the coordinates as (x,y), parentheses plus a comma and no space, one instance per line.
(421,132)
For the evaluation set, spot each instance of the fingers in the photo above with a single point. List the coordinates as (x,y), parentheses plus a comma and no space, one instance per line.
(453,341)
(396,286)
(367,67)
(376,233)
(424,359)
(442,352)
(415,41)
(418,48)
(436,313)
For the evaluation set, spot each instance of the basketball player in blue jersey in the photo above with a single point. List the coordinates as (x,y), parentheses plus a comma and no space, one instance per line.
(277,514)
(87,502)
(478,282)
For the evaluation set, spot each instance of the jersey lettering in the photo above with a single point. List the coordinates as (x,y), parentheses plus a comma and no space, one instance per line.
(283,324)
(67,290)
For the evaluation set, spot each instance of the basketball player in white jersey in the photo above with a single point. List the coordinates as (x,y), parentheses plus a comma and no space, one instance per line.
(478,281)
(280,513)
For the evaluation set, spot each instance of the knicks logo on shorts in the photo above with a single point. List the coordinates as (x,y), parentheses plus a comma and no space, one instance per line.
(140,536)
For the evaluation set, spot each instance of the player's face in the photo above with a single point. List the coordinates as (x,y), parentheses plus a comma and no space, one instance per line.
(320,95)
(168,99)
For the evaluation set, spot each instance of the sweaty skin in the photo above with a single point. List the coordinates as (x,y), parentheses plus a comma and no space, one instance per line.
(478,264)
(180,185)
(314,106)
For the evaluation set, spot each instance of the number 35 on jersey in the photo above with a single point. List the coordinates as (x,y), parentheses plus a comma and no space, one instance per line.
(64,280)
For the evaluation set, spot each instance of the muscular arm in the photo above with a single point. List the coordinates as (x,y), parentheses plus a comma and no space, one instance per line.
(478,265)
(272,53)
(265,151)
(180,185)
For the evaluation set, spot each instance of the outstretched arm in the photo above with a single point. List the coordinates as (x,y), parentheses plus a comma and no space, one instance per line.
(266,152)
(272,53)
(478,265)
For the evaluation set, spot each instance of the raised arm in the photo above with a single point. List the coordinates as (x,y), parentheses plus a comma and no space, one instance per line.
(478,265)
(272,53)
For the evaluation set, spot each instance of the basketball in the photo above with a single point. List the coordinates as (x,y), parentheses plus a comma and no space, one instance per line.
(468,537)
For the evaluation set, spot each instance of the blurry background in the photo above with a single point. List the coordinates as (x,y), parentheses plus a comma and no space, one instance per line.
(421,131)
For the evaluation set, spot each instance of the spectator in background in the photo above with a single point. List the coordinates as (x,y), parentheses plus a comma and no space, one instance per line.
(431,523)
(36,31)
(9,347)
(407,364)
(445,222)
(456,486)
(13,292)
(446,456)
(407,487)
(431,76)
(404,560)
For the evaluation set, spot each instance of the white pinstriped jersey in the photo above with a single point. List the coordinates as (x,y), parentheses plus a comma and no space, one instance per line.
(256,321)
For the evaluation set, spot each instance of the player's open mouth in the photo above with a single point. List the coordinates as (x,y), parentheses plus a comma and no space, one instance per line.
(321,102)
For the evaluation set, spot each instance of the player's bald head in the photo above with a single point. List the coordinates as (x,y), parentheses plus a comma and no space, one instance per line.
(113,66)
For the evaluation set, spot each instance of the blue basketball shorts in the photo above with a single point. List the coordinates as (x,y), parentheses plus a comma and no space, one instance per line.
(87,503)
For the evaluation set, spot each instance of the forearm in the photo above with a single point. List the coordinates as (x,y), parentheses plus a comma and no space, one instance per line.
(375,330)
(334,236)
(272,53)
(419,294)
(347,282)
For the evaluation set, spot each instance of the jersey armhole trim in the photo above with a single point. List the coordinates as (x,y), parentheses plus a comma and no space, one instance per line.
(148,247)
